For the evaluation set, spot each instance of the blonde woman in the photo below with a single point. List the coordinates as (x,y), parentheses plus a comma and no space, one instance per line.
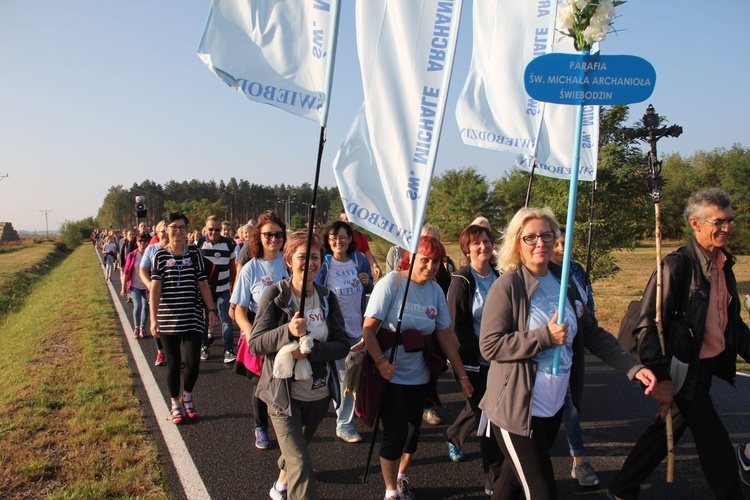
(518,334)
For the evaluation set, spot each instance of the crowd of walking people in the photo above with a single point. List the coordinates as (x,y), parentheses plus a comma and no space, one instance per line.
(318,322)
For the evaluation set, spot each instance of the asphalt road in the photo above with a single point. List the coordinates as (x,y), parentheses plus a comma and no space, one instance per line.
(221,441)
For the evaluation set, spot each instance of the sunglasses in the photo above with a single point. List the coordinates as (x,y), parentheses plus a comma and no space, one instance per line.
(278,236)
(213,230)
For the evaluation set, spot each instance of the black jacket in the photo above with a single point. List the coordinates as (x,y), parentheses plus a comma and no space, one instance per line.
(460,300)
(685,295)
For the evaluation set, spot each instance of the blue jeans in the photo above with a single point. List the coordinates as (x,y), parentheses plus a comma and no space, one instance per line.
(227,331)
(345,411)
(140,306)
(572,423)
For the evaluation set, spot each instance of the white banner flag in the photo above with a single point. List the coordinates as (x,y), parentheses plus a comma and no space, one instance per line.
(384,166)
(277,52)
(495,112)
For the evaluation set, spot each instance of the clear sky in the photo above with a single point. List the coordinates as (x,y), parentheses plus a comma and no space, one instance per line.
(99,93)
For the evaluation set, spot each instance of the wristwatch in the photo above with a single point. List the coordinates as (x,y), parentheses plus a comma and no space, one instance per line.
(215,311)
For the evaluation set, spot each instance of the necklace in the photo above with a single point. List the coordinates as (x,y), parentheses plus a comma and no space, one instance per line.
(173,262)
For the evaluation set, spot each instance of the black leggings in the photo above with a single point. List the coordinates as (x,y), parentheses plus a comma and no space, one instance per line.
(527,468)
(402,410)
(172,349)
(260,413)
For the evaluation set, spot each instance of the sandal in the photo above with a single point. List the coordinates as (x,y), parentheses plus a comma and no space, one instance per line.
(189,407)
(177,412)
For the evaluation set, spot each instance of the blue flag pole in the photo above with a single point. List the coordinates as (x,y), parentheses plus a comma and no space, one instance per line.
(569,223)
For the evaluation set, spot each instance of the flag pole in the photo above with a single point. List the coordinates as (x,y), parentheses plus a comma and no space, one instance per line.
(570,222)
(590,241)
(531,181)
(311,218)
(330,62)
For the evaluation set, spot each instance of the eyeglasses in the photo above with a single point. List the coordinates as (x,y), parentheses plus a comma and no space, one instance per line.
(213,230)
(177,228)
(338,238)
(531,239)
(720,223)
(278,236)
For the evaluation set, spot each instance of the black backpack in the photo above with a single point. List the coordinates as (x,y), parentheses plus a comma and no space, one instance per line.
(629,321)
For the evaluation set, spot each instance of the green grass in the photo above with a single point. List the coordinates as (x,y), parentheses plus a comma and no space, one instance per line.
(71,426)
(20,269)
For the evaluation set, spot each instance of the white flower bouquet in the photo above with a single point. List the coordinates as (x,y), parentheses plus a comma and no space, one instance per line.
(587,21)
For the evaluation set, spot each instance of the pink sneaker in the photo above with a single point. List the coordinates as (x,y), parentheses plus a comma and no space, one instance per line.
(161,360)
(135,332)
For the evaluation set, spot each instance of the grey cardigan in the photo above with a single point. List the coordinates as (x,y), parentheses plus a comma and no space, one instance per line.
(271,332)
(508,344)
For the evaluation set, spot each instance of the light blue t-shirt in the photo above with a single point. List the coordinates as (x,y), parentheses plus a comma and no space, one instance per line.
(549,390)
(257,275)
(483,284)
(343,280)
(148,255)
(426,310)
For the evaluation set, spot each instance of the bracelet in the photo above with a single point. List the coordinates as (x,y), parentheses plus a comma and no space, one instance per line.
(215,311)
(465,377)
(377,363)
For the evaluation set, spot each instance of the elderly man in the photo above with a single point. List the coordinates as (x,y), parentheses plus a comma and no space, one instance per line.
(219,259)
(703,333)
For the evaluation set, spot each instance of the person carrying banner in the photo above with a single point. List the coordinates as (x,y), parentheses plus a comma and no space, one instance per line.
(703,334)
(425,314)
(297,405)
(346,273)
(466,298)
(519,330)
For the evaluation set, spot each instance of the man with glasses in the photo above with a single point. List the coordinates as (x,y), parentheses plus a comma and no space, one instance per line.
(703,333)
(219,260)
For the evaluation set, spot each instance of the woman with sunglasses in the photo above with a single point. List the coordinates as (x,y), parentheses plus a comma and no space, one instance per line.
(265,268)
(178,283)
(519,331)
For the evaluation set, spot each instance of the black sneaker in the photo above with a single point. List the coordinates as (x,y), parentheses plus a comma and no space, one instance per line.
(229,356)
(744,464)
(204,353)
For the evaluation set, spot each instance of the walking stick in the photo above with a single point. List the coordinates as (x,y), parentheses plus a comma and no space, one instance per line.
(651,133)
(659,329)
(391,359)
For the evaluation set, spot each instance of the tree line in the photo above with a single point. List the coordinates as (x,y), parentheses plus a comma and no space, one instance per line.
(623,209)
(234,201)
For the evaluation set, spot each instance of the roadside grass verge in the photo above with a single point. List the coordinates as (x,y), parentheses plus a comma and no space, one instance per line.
(71,426)
(21,269)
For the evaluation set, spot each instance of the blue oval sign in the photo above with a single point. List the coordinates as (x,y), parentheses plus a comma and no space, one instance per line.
(589,79)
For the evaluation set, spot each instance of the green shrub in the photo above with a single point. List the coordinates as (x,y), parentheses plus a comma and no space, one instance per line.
(73,233)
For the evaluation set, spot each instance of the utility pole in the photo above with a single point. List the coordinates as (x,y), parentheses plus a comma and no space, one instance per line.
(46,220)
